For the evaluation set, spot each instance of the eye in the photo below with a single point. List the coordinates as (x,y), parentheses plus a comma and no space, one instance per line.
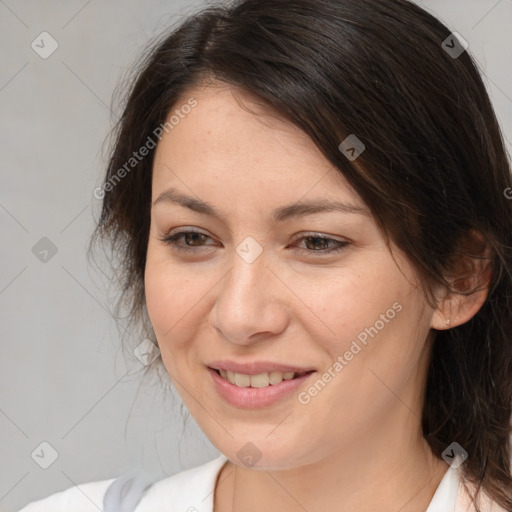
(194,239)
(188,236)
(317,240)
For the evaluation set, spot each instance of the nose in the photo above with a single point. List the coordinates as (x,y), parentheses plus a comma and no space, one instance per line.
(251,303)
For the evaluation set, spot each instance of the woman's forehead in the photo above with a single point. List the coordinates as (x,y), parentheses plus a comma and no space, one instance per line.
(221,140)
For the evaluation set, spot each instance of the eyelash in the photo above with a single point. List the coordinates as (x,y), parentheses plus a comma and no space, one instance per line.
(171,241)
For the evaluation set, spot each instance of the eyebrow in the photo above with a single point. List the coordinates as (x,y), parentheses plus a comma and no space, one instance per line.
(280,214)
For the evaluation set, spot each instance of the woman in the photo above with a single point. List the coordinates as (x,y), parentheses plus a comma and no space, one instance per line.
(308,203)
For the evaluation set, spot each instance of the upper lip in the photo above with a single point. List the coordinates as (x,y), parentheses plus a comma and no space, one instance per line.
(256,367)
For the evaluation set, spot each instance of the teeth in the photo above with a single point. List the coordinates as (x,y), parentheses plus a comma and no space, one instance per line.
(241,380)
(261,380)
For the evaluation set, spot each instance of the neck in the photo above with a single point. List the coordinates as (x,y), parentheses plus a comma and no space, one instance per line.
(385,472)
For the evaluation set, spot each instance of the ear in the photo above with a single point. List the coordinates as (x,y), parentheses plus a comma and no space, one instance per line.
(469,276)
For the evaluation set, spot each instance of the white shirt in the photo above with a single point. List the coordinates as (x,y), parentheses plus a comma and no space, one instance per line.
(192,491)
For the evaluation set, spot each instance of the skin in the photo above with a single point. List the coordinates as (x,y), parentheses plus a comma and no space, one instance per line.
(357,445)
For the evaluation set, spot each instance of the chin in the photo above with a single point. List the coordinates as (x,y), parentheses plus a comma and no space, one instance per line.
(264,455)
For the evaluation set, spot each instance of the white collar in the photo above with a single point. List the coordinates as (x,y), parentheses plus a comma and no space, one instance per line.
(445,497)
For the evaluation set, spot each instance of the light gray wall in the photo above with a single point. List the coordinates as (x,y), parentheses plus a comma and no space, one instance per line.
(63,380)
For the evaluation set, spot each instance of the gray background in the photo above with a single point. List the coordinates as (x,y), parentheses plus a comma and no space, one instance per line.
(63,379)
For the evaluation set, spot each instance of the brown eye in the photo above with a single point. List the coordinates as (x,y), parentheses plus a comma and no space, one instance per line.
(191,240)
(194,238)
(320,244)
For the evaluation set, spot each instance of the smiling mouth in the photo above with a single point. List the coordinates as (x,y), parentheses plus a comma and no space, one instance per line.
(260,380)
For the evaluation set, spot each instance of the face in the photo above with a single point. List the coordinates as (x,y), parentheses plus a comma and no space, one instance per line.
(308,289)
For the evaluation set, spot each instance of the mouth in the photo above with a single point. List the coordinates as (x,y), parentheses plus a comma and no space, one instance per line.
(260,380)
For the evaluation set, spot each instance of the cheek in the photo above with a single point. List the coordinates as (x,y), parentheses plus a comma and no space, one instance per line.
(169,296)
(372,318)
(351,302)
(169,302)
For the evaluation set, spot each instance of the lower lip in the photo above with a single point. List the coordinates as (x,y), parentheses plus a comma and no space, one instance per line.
(251,398)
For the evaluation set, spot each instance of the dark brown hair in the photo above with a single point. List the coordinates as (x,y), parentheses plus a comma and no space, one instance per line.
(434,172)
